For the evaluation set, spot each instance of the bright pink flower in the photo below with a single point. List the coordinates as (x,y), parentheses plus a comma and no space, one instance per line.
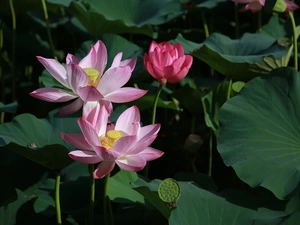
(167,63)
(126,143)
(253,5)
(86,80)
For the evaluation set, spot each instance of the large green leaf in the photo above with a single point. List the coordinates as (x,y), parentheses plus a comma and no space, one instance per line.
(39,139)
(235,58)
(209,4)
(97,24)
(259,134)
(8,213)
(119,189)
(199,206)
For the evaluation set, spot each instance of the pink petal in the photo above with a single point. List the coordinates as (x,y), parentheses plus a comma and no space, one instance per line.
(89,93)
(89,132)
(77,77)
(141,145)
(106,154)
(179,76)
(149,129)
(101,56)
(97,58)
(151,153)
(55,69)
(97,116)
(117,60)
(103,169)
(125,144)
(291,5)
(132,163)
(180,50)
(153,45)
(71,59)
(125,94)
(87,157)
(90,60)
(77,140)
(53,94)
(254,6)
(71,108)
(129,62)
(113,79)
(126,120)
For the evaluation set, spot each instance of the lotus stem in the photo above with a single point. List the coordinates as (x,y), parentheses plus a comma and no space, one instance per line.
(155,103)
(57,199)
(48,28)
(229,89)
(205,26)
(259,18)
(92,197)
(210,152)
(294,40)
(237,22)
(108,214)
(13,53)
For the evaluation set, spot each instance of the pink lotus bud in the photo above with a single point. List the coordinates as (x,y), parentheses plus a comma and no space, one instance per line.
(166,62)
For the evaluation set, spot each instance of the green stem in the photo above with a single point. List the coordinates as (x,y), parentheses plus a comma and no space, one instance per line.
(57,199)
(294,40)
(146,169)
(108,215)
(13,60)
(259,15)
(210,152)
(48,28)
(205,26)
(237,22)
(92,197)
(229,89)
(155,103)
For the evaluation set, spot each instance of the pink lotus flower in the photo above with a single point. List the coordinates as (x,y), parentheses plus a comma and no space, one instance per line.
(256,5)
(252,5)
(291,5)
(86,80)
(167,62)
(126,143)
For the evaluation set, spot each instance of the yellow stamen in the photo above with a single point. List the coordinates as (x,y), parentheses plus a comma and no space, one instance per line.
(110,139)
(93,76)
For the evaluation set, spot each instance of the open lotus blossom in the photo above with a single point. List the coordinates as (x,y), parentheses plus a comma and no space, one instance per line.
(167,63)
(126,143)
(86,80)
(256,5)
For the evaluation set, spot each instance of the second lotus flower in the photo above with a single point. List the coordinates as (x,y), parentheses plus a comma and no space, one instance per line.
(126,143)
(86,80)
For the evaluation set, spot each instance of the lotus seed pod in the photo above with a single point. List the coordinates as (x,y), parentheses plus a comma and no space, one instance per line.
(169,191)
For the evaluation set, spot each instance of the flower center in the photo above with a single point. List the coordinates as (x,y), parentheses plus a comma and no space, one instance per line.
(93,76)
(110,139)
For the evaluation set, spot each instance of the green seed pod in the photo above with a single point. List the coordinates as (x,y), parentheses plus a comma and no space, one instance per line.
(169,191)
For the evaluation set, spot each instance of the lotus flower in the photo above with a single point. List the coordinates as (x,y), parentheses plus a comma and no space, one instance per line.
(252,5)
(256,5)
(167,63)
(86,80)
(126,143)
